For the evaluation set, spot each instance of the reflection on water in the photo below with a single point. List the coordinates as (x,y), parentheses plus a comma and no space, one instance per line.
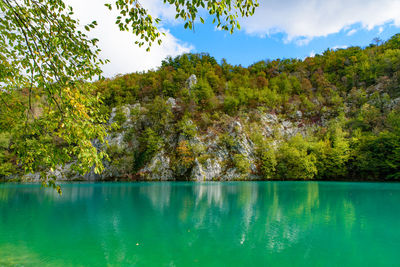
(275,223)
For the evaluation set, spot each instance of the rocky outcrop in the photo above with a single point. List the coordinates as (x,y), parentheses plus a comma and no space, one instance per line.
(158,169)
(192,81)
(223,153)
(209,171)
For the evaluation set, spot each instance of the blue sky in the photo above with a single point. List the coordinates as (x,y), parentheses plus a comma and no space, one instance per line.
(279,29)
(245,49)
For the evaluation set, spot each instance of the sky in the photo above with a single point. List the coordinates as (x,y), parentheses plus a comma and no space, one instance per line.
(278,29)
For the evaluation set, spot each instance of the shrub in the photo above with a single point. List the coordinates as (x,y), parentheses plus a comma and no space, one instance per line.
(376,156)
(202,93)
(231,104)
(159,114)
(294,161)
(185,154)
(332,153)
(7,167)
(169,88)
(187,127)
(268,163)
(120,117)
(241,163)
(150,144)
(227,140)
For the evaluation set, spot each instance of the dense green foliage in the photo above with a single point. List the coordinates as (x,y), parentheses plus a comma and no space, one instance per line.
(348,101)
(47,108)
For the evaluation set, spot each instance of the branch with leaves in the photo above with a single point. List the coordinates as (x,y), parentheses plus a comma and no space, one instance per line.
(136,19)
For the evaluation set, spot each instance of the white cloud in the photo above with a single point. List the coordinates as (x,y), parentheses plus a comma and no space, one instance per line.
(119,47)
(306,19)
(339,47)
(301,41)
(351,32)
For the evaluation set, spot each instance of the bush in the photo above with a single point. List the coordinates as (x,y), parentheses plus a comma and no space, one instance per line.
(150,144)
(6,165)
(231,104)
(332,154)
(159,114)
(120,117)
(202,94)
(268,164)
(376,157)
(241,163)
(294,161)
(185,154)
(227,140)
(169,88)
(187,127)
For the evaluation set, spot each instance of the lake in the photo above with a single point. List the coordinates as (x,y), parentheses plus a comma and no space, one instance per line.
(201,224)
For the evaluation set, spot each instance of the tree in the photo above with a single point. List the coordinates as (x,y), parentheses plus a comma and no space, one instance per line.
(294,160)
(46,62)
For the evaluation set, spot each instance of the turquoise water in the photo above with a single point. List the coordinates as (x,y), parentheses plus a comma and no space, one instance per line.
(201,224)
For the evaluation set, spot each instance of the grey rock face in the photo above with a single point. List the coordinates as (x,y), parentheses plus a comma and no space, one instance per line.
(158,168)
(191,81)
(213,159)
(210,170)
(231,174)
(219,165)
(31,177)
(172,102)
(269,118)
(394,103)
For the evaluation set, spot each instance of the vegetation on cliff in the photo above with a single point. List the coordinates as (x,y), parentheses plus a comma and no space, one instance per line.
(332,116)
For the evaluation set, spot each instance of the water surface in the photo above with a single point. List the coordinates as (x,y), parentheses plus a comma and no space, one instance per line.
(201,224)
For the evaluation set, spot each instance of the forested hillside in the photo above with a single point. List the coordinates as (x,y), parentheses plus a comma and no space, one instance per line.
(331,116)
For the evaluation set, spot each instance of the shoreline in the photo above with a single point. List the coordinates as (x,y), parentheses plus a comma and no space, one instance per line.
(211,181)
